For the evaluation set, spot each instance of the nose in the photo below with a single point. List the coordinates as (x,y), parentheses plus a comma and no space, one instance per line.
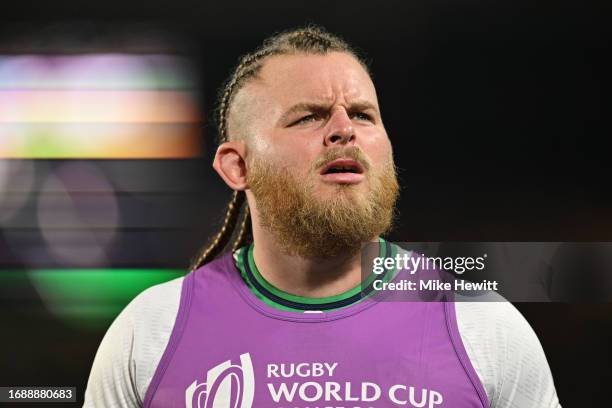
(340,129)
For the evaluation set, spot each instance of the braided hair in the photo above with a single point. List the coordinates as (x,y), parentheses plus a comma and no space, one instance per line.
(307,40)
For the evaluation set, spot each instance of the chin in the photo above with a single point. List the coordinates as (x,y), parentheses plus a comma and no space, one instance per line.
(346,192)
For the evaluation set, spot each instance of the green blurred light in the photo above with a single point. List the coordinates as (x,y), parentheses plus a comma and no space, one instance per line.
(89,285)
(91,298)
(44,143)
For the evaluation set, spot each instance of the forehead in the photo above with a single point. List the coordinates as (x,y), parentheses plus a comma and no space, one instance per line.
(333,77)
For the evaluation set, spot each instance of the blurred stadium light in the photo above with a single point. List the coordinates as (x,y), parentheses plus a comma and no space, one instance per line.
(90,297)
(99,173)
(98,106)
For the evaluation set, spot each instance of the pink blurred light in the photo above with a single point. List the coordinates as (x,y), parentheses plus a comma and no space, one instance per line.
(67,220)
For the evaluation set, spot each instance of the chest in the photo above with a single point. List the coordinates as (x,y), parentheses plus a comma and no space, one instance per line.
(390,355)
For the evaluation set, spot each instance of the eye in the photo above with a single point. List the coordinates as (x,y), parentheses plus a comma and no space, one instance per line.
(362,116)
(304,119)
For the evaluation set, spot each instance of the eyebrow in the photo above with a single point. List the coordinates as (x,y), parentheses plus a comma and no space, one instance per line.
(356,106)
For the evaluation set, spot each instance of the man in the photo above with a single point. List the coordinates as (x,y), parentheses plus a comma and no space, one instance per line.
(281,320)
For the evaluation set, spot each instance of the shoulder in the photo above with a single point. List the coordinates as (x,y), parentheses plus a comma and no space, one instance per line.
(162,298)
(154,313)
(506,353)
(133,346)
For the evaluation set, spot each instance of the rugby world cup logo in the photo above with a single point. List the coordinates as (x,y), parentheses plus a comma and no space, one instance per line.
(227,386)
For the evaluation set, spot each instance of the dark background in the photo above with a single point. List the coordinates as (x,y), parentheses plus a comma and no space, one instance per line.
(497,111)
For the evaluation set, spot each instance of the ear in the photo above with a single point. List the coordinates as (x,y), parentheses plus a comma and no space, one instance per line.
(230,163)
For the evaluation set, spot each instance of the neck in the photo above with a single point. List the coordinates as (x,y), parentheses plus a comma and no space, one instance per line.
(313,277)
(307,277)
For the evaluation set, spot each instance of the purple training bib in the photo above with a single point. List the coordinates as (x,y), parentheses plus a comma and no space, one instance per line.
(228,349)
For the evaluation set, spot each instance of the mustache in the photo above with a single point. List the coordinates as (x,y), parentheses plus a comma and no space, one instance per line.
(351,152)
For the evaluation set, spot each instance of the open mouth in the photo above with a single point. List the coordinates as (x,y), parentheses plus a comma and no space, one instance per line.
(343,171)
(343,166)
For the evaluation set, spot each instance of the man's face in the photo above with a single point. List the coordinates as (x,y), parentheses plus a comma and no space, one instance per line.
(308,105)
(319,161)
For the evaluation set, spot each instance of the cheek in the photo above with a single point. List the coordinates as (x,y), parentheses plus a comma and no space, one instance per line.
(296,156)
(378,150)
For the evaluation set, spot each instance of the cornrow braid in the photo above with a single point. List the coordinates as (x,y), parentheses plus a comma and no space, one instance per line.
(307,40)
(222,237)
(244,70)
